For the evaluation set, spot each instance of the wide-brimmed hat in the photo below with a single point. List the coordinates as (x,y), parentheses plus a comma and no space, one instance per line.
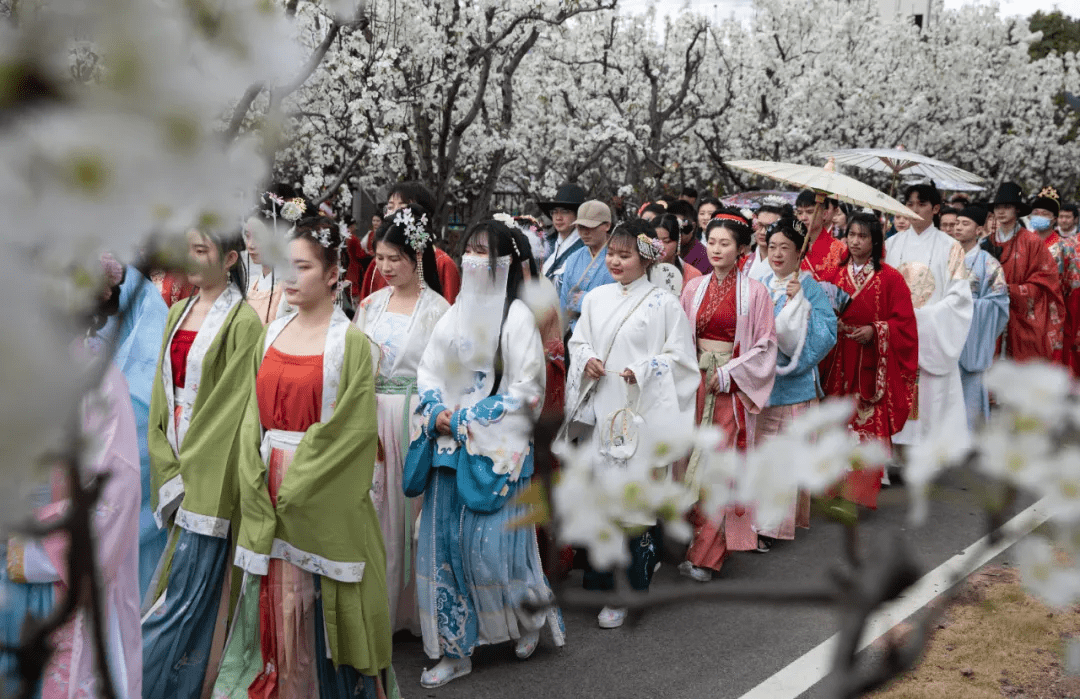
(1010,193)
(1048,199)
(569,196)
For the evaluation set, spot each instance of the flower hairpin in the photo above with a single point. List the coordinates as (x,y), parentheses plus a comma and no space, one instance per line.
(799,227)
(293,209)
(650,248)
(416,231)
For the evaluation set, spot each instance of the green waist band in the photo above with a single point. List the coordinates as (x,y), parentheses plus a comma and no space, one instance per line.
(400,385)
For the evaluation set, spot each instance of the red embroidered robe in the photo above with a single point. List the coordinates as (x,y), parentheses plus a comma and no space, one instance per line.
(825,256)
(1036,309)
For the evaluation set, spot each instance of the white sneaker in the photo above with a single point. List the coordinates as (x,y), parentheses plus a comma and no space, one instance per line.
(526,645)
(694,573)
(611,617)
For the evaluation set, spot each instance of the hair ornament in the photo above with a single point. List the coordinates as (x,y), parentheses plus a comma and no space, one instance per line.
(650,249)
(293,209)
(799,227)
(747,214)
(774,200)
(731,217)
(1049,193)
(416,231)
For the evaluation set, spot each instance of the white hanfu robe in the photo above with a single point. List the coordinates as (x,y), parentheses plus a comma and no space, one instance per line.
(643,328)
(401,340)
(932,264)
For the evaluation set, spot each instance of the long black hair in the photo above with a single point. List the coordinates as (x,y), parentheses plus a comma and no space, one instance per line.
(675,228)
(393,232)
(231,241)
(872,225)
(500,242)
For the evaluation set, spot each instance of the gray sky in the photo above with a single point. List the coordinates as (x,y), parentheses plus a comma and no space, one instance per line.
(742,8)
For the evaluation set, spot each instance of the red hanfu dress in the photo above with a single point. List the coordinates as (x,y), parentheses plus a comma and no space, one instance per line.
(880,374)
(289,391)
(717,321)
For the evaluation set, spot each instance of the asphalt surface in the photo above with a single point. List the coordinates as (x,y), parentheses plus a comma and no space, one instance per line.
(703,649)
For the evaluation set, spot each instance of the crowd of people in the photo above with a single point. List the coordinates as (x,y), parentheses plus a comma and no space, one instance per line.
(328,448)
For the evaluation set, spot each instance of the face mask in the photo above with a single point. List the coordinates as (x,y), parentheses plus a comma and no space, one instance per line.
(1039,223)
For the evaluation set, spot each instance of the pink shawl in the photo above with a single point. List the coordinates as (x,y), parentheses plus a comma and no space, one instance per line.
(753,369)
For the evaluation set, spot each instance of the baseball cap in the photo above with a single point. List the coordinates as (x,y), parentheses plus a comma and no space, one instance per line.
(592,213)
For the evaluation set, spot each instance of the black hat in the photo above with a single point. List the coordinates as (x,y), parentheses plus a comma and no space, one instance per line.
(569,196)
(1010,193)
(1048,199)
(975,213)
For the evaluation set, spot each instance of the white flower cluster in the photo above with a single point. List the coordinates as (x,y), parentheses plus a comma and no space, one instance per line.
(416,230)
(597,507)
(115,149)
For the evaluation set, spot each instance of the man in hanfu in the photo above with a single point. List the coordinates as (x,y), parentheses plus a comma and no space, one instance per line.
(586,269)
(1036,322)
(990,296)
(564,240)
(932,264)
(824,253)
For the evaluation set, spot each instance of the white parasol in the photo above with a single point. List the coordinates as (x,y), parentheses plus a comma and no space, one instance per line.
(903,163)
(827,181)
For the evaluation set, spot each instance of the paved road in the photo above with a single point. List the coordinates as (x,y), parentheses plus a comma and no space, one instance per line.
(711,650)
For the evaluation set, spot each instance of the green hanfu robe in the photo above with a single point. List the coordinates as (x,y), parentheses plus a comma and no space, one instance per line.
(194,462)
(325,522)
(193,446)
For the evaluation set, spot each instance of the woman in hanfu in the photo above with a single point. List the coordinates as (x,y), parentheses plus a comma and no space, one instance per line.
(671,272)
(312,618)
(805,333)
(195,410)
(35,577)
(264,289)
(399,320)
(731,317)
(481,383)
(876,359)
(631,349)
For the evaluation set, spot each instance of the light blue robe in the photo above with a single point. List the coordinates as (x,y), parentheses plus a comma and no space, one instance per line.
(798,381)
(990,292)
(139,341)
(582,274)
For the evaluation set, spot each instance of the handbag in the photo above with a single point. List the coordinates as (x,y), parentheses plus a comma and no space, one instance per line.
(620,429)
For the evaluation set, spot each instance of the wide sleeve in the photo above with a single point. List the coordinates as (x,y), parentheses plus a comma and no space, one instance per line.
(1041,279)
(669,379)
(944,324)
(496,432)
(580,349)
(210,453)
(164,463)
(816,335)
(989,317)
(257,517)
(753,372)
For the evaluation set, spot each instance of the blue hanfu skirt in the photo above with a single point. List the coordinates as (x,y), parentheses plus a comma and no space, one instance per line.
(472,572)
(178,631)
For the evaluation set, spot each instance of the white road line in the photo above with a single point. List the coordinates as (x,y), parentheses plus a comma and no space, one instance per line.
(815,665)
